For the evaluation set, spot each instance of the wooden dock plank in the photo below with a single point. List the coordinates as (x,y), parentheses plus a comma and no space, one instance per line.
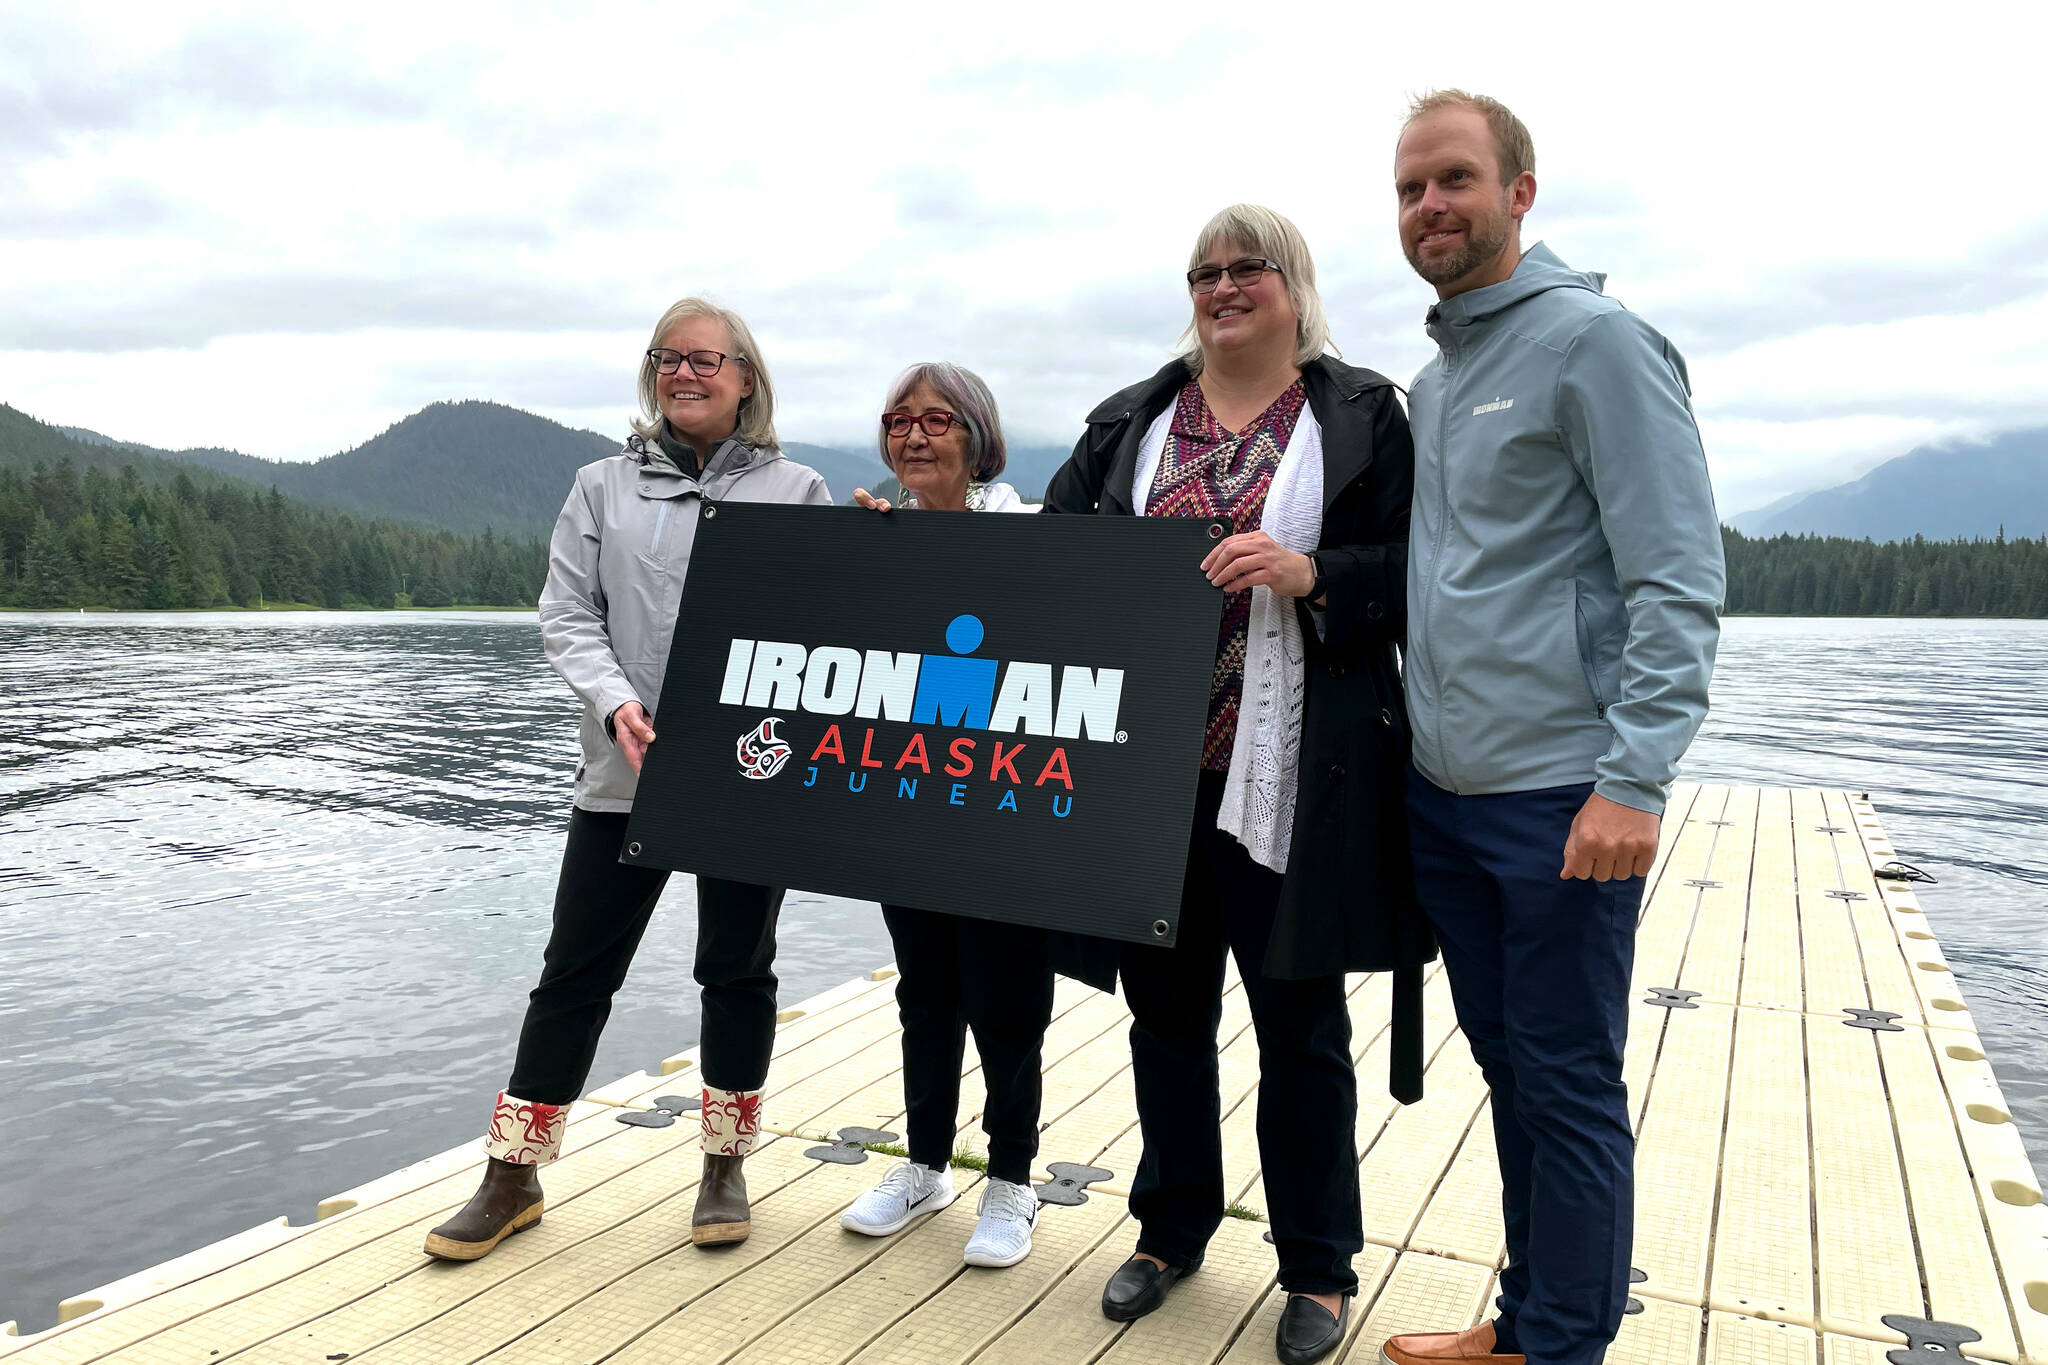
(459,1314)
(1763,1241)
(1713,952)
(1665,924)
(1861,1225)
(1423,1294)
(1678,1149)
(1203,1318)
(1956,1258)
(1254,1344)
(1735,1340)
(697,1297)
(1798,1178)
(1771,949)
(1463,1217)
(954,1325)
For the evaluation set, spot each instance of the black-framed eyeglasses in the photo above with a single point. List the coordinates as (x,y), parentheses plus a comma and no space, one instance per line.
(1245,273)
(703,364)
(935,424)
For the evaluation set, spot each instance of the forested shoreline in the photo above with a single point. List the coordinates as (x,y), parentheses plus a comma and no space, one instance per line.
(108,540)
(1835,576)
(104,540)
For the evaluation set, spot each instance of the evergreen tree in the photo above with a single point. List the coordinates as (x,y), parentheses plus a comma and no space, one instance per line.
(120,576)
(48,573)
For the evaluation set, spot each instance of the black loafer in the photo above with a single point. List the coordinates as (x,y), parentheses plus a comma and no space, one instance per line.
(1138,1287)
(1307,1331)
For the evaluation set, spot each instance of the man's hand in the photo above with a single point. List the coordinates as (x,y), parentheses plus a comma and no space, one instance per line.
(630,727)
(1610,842)
(1246,561)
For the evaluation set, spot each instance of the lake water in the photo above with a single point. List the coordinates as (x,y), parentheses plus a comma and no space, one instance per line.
(273,890)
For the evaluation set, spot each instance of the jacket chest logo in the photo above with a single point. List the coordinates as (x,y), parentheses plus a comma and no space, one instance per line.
(1497,405)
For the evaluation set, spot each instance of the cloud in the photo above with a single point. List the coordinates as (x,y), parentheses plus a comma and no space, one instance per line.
(283,233)
(192,314)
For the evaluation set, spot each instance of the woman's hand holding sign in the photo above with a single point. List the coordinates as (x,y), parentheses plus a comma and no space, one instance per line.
(863,498)
(633,731)
(1253,559)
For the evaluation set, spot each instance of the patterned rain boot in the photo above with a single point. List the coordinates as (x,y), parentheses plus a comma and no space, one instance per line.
(732,1122)
(523,1135)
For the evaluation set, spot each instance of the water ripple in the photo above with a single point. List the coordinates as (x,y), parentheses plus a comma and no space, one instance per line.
(273,890)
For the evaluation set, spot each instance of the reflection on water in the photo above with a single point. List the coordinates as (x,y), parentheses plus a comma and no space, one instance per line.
(272,890)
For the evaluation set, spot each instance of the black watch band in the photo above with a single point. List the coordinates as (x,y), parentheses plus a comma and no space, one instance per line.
(1315,587)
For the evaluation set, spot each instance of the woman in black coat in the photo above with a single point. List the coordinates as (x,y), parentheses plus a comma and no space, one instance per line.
(1214,433)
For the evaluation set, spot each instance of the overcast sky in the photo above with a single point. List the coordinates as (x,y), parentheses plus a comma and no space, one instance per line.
(230,227)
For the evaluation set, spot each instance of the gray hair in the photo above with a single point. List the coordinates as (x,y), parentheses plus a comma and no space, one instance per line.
(755,425)
(1262,232)
(963,391)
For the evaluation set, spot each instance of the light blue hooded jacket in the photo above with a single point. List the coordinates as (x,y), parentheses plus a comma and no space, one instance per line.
(1565,576)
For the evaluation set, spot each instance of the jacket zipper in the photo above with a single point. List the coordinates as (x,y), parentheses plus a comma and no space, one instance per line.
(660,520)
(1443,521)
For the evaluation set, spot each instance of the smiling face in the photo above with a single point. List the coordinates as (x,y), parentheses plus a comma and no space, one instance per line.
(699,410)
(1237,321)
(933,467)
(1461,228)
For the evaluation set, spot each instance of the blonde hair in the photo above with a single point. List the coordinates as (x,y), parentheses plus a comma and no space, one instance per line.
(1511,139)
(1262,232)
(755,422)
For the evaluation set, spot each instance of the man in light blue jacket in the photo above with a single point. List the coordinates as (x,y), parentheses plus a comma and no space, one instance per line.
(1564,589)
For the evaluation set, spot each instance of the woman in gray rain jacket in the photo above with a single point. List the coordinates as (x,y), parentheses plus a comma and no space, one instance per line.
(615,576)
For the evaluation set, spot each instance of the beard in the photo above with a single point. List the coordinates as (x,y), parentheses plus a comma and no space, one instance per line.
(1485,239)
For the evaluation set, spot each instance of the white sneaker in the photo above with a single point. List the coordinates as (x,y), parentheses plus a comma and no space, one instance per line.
(908,1191)
(1003,1236)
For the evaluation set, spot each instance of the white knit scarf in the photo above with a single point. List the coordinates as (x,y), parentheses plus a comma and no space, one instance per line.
(1259,793)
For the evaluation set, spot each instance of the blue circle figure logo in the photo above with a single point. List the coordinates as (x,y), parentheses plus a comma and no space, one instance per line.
(963,635)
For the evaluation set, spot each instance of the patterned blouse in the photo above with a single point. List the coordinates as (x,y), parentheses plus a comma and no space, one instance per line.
(1205,471)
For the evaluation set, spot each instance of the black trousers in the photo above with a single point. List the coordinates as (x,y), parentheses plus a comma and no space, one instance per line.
(601,910)
(957,973)
(1308,1094)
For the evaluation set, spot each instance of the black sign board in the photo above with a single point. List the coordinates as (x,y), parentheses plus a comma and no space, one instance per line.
(987,714)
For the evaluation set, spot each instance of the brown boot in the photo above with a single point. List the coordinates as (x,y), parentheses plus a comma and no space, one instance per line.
(508,1201)
(731,1126)
(722,1214)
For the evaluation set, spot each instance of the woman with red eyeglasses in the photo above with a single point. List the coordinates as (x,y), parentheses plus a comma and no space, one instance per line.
(616,568)
(942,439)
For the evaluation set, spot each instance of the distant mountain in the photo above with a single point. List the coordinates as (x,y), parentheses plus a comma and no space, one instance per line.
(466,466)
(25,443)
(844,470)
(1940,492)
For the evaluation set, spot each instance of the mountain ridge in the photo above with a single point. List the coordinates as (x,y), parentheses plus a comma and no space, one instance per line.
(1942,492)
(472,464)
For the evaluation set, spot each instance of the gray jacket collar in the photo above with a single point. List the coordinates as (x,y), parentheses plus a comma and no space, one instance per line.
(1538,272)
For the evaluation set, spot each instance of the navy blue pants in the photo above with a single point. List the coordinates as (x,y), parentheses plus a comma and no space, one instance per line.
(1539,970)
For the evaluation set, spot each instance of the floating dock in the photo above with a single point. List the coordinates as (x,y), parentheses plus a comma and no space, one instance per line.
(1826,1175)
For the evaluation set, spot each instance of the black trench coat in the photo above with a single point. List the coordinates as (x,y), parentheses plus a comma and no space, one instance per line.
(1347,902)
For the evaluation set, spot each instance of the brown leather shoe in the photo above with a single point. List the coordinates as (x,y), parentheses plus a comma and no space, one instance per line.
(508,1201)
(722,1215)
(1473,1345)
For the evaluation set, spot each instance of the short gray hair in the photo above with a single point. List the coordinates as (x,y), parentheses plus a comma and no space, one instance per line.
(963,391)
(756,419)
(1262,232)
